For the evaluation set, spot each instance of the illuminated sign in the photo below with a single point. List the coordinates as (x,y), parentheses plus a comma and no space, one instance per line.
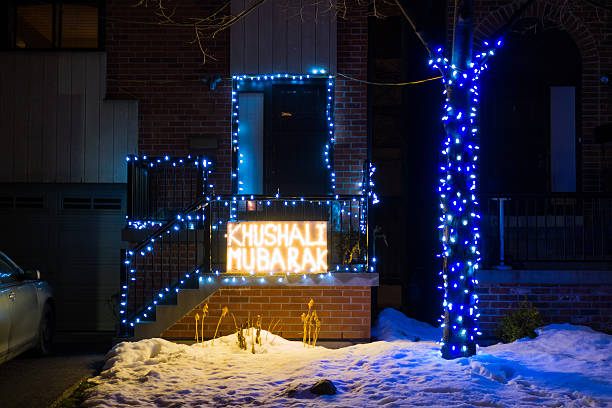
(277,247)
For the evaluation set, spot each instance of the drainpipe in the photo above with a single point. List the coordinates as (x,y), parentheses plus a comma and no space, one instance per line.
(501,265)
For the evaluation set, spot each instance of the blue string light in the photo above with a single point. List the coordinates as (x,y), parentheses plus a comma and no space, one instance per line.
(459,206)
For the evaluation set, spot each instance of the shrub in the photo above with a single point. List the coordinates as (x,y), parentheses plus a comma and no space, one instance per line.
(520,323)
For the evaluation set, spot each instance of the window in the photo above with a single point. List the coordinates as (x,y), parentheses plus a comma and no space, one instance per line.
(7,272)
(40,24)
(284,137)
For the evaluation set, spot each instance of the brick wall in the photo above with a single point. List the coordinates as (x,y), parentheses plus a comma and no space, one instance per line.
(156,65)
(344,311)
(589,28)
(351,100)
(578,303)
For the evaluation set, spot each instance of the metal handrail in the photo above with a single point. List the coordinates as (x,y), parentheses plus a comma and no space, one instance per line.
(546,227)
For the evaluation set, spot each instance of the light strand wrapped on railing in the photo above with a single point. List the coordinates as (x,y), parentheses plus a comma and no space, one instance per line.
(459,207)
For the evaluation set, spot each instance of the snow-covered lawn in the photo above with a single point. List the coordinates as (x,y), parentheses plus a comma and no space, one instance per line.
(565,366)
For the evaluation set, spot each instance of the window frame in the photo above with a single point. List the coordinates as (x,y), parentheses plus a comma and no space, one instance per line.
(9,43)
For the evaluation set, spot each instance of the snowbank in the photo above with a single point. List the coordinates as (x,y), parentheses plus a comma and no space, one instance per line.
(394,325)
(565,366)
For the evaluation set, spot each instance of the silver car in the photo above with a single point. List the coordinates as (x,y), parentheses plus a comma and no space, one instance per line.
(27,317)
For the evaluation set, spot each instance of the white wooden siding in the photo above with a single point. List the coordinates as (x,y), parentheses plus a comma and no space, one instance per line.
(281,36)
(55,126)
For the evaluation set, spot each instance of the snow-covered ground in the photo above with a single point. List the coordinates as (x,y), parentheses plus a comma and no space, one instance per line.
(565,366)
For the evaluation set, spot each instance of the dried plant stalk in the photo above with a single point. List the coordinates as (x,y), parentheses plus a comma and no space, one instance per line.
(253,341)
(309,318)
(204,313)
(258,335)
(223,313)
(304,322)
(197,317)
(317,329)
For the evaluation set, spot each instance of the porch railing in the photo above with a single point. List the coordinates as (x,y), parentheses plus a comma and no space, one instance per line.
(553,227)
(346,217)
(160,187)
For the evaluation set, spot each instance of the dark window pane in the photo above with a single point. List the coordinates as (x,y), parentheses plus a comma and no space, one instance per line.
(7,273)
(34,26)
(295,140)
(79,26)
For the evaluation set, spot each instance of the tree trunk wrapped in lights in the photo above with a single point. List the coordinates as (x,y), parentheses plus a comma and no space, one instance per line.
(458,189)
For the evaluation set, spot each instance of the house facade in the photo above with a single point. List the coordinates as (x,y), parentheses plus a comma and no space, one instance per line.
(132,88)
(278,127)
(263,128)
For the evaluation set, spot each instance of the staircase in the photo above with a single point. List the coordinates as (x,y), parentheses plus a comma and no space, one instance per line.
(160,276)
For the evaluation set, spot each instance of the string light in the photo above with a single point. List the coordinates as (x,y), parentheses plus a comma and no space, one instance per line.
(459,207)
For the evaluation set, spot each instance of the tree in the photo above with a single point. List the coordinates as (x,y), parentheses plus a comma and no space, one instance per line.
(458,189)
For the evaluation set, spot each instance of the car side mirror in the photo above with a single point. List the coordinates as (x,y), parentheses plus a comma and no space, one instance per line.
(32,274)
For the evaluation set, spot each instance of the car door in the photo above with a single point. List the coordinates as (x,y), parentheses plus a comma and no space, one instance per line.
(6,284)
(23,307)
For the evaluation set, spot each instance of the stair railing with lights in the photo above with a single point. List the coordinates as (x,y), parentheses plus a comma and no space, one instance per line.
(166,198)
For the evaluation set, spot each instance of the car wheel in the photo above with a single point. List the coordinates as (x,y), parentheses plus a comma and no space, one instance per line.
(45,331)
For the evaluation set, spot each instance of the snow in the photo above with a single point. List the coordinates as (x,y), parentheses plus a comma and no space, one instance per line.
(565,366)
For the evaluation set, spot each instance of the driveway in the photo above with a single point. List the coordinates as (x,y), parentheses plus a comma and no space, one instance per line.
(37,382)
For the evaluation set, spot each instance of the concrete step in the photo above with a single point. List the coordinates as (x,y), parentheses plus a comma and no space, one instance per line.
(168,314)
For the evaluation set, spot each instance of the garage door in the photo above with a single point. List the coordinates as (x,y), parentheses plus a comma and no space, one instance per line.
(72,234)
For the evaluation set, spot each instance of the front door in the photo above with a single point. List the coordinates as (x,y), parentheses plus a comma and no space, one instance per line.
(295,138)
